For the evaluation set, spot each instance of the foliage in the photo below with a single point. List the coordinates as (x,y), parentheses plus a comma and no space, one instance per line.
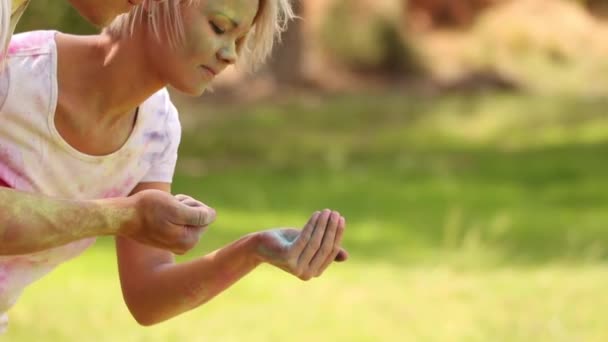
(56,15)
(367,41)
(547,45)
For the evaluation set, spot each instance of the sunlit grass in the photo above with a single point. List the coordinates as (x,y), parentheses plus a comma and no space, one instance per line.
(474,218)
(358,301)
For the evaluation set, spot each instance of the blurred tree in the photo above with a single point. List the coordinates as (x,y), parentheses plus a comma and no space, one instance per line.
(429,14)
(597,7)
(286,64)
(367,41)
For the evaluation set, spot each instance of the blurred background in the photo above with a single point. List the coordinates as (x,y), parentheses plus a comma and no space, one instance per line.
(464,141)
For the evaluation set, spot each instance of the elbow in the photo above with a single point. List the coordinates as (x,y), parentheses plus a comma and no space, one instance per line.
(148,313)
(145,322)
(143,313)
(149,308)
(144,317)
(147,317)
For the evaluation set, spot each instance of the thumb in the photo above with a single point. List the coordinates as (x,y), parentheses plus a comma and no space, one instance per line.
(342,255)
(195,216)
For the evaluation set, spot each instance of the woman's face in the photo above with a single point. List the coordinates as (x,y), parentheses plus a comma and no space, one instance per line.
(101,12)
(214,31)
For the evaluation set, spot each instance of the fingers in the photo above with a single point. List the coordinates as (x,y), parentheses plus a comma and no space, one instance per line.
(315,239)
(313,248)
(189,201)
(335,247)
(328,244)
(342,255)
(194,215)
(305,234)
(188,239)
(176,239)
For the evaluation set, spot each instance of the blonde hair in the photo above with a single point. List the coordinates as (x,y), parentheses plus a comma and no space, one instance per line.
(5,29)
(271,20)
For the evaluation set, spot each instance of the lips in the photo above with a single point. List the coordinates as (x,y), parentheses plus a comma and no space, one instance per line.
(209,69)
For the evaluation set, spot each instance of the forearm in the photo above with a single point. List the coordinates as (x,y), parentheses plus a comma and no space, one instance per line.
(30,223)
(171,289)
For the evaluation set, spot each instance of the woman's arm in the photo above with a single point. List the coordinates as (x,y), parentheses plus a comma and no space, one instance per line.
(155,288)
(31,222)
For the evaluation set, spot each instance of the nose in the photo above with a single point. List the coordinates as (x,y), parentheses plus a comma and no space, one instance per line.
(227,54)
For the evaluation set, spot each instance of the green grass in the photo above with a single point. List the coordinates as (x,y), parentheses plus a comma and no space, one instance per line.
(361,301)
(471,218)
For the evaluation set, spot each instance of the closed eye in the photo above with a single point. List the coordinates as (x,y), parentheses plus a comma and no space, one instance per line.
(216,28)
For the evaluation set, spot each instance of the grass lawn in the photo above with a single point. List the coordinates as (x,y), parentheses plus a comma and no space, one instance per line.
(360,301)
(470,218)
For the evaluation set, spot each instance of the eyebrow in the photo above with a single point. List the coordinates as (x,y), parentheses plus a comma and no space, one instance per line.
(232,21)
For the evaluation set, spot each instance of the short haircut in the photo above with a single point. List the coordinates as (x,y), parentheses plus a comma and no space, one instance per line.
(270,21)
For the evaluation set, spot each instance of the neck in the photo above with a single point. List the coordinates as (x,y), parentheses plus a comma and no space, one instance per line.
(104,77)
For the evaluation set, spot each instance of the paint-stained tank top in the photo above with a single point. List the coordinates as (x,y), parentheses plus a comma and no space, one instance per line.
(35,158)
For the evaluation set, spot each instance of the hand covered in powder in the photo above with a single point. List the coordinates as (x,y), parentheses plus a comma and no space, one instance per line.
(308,252)
(174,223)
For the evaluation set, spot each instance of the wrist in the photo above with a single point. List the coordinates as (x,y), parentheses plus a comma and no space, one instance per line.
(120,215)
(255,248)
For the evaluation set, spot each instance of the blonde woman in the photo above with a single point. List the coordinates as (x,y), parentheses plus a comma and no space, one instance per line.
(99,110)
(31,222)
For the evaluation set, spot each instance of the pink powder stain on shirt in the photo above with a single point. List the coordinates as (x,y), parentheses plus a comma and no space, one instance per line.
(3,277)
(10,275)
(11,170)
(7,267)
(31,40)
(124,189)
(4,85)
(113,192)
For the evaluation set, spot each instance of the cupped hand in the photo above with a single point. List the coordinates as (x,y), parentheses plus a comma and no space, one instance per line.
(305,253)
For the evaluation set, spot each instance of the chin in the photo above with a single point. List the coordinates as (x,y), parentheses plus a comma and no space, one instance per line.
(191,90)
(94,17)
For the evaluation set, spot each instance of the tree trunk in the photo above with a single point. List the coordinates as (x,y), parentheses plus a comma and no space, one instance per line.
(287,62)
